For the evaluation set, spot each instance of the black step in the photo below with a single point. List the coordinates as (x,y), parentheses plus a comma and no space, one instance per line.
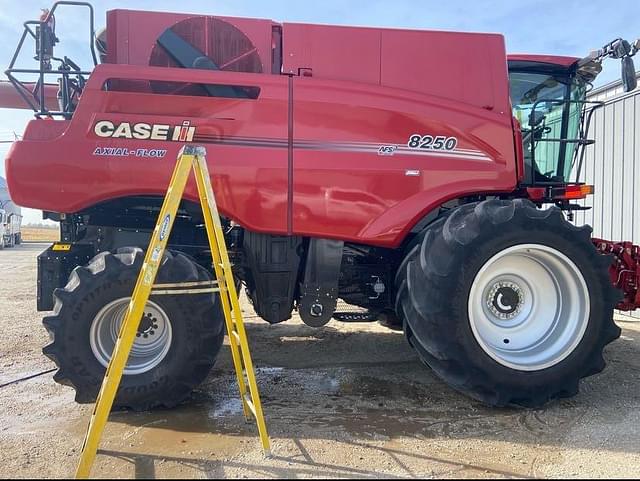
(356,316)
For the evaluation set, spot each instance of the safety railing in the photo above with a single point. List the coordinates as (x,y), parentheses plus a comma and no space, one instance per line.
(71,78)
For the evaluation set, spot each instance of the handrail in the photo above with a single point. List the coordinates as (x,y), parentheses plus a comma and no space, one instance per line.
(582,141)
(36,98)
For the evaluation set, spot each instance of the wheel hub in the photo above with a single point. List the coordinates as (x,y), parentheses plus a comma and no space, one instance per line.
(153,338)
(505,299)
(148,325)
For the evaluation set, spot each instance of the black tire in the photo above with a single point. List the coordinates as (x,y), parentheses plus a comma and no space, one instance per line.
(197,325)
(433,286)
(18,239)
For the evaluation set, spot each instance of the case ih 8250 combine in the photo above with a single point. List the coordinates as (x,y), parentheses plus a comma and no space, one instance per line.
(424,176)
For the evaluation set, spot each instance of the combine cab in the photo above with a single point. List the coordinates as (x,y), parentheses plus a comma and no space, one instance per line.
(434,194)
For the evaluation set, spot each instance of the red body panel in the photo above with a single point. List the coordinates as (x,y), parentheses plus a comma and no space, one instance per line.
(304,157)
(63,175)
(359,195)
(431,62)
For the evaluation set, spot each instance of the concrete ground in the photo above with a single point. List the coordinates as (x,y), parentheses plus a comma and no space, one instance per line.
(349,401)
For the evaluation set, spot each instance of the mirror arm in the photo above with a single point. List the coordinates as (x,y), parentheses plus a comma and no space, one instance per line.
(618,49)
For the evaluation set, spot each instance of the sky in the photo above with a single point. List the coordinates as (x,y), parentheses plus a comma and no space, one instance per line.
(560,27)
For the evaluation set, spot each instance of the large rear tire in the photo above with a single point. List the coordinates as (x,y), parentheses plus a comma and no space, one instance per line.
(507,303)
(177,342)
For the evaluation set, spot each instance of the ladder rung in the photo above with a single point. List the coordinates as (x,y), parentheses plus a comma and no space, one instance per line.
(236,336)
(247,399)
(181,285)
(176,292)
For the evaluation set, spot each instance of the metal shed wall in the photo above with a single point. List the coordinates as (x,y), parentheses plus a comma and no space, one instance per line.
(612,165)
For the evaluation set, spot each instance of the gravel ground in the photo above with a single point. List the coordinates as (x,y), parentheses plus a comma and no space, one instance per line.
(348,401)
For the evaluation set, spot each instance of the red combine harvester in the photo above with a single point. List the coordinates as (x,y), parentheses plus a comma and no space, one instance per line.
(423,177)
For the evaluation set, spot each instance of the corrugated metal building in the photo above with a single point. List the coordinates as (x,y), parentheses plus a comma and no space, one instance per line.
(612,165)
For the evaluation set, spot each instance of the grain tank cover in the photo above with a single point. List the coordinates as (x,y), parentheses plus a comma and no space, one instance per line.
(467,67)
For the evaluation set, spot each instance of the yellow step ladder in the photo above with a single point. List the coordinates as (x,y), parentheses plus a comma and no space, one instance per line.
(190,158)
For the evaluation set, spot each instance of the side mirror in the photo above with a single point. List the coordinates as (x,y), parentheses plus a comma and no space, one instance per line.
(629,80)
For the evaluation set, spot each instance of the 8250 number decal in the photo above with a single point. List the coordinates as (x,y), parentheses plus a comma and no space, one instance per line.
(430,142)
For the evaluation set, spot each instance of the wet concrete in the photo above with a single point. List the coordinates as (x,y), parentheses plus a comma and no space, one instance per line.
(347,401)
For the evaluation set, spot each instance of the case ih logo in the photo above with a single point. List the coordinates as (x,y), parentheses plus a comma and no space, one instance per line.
(142,131)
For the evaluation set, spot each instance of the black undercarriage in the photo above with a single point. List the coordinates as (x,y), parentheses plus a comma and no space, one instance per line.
(281,273)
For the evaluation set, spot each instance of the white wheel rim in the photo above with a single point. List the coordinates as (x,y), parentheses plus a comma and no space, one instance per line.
(529,307)
(153,339)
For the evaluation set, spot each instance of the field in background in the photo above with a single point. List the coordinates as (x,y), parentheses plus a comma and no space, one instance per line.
(40,234)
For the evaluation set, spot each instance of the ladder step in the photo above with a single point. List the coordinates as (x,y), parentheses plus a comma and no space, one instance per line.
(236,336)
(252,408)
(355,316)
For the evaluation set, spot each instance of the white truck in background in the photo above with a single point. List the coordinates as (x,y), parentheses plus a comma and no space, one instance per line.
(10,218)
(10,234)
